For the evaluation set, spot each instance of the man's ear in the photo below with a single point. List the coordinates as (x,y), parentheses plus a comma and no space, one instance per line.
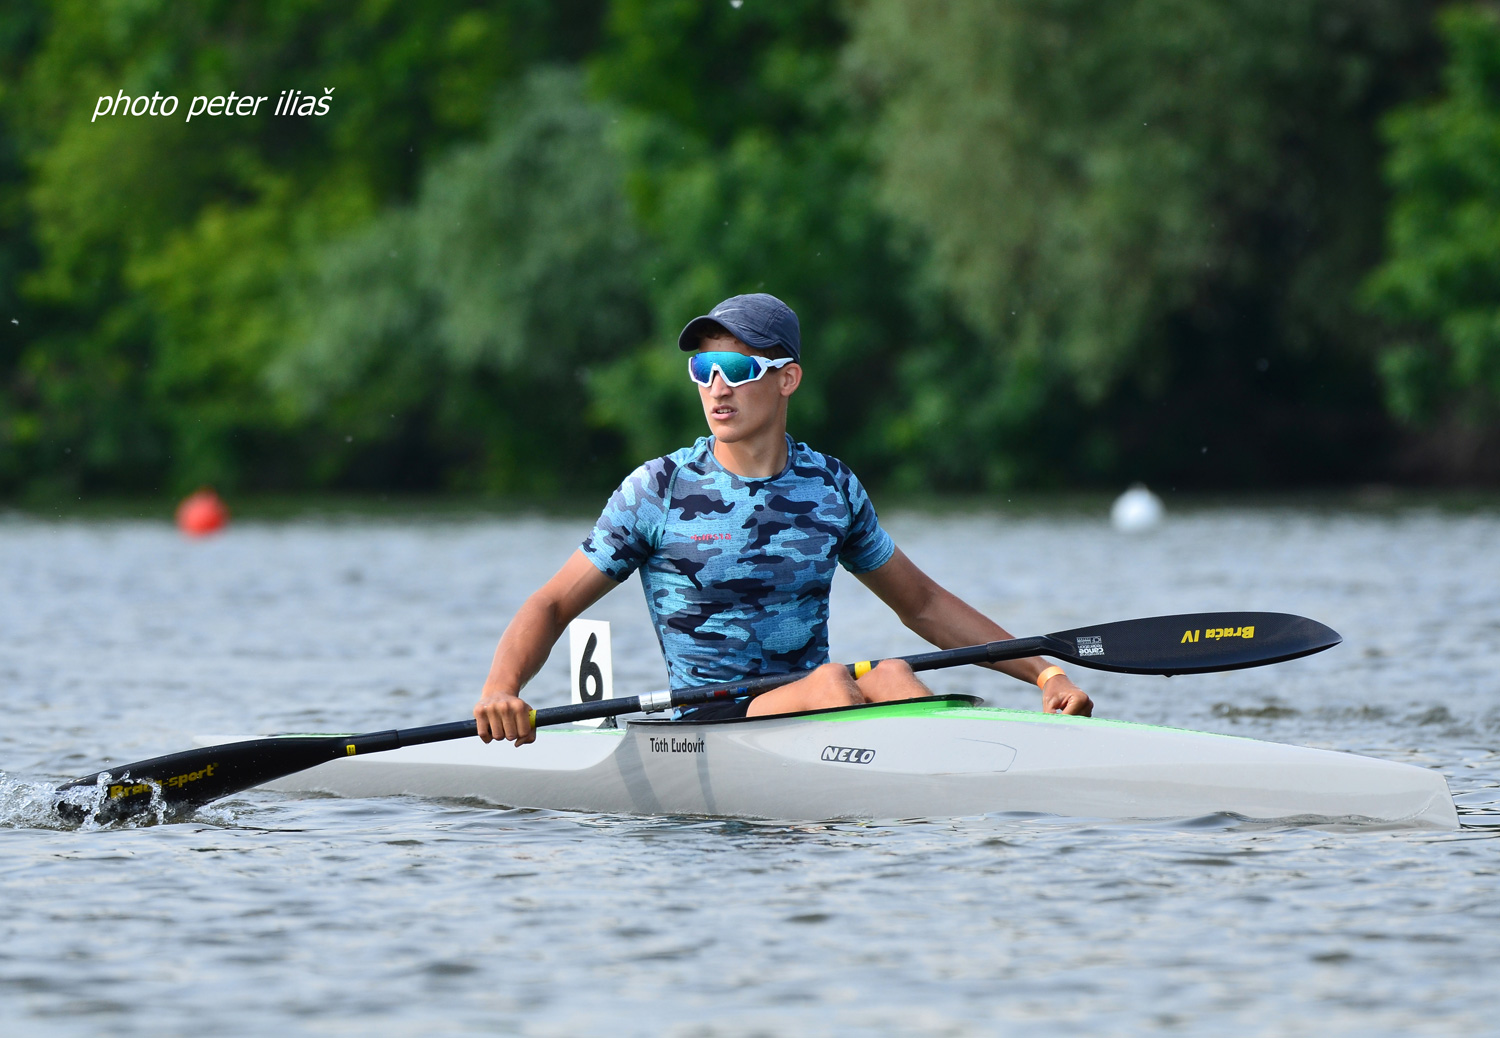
(791,378)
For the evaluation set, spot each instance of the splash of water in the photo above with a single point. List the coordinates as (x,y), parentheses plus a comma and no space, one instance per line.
(35,805)
(41,805)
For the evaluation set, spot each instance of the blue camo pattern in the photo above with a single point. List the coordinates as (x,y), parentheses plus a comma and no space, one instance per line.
(737,571)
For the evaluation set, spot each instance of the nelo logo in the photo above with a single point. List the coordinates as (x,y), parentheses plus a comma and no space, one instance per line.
(848,754)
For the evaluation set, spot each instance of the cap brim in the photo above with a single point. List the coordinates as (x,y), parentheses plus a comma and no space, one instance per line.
(700,326)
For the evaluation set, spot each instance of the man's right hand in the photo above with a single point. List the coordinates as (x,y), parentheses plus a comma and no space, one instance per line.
(504,715)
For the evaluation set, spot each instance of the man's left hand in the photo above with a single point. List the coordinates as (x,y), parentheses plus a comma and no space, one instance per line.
(1062,696)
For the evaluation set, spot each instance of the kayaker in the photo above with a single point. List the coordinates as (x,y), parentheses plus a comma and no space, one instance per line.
(737,538)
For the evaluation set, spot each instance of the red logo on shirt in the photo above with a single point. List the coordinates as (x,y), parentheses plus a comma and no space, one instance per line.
(712,536)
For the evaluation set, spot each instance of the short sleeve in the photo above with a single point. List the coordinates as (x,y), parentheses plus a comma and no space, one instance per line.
(629,529)
(868,546)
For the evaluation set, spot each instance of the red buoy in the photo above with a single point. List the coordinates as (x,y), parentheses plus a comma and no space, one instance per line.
(201,513)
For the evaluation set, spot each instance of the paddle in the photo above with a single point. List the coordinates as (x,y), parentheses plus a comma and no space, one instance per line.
(1192,643)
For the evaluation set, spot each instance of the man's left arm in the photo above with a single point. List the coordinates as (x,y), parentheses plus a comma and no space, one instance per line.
(948,622)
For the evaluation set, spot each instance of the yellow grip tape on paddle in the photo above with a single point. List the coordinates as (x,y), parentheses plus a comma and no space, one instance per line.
(532,715)
(862,668)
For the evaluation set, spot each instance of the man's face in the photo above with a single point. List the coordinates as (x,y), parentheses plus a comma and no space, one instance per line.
(737,413)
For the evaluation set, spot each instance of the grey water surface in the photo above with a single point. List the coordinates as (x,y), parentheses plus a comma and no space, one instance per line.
(273,915)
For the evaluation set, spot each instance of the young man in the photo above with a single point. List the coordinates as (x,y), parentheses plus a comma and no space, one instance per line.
(737,538)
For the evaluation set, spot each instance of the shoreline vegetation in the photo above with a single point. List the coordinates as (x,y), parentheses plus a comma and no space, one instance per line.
(1374,499)
(1033,245)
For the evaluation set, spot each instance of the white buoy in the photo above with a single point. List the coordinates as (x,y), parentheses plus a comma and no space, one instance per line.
(1135,510)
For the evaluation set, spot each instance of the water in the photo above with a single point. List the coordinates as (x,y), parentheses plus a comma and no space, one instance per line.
(415,917)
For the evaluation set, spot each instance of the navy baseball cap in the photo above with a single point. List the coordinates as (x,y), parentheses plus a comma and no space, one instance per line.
(758,320)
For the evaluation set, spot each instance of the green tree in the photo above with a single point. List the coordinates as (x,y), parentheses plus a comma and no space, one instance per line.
(750,173)
(1441,278)
(1154,214)
(1031,242)
(448,343)
(169,251)
(21,24)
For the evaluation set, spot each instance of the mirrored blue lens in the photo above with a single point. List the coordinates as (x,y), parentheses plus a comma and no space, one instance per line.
(737,368)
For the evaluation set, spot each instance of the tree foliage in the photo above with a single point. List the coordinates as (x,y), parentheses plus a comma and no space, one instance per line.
(1031,242)
(167,252)
(449,341)
(750,173)
(1441,279)
(1140,206)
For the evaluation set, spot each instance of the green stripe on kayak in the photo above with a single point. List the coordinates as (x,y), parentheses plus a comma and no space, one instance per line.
(946,709)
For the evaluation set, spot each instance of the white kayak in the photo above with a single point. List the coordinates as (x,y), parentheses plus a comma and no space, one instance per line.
(942,757)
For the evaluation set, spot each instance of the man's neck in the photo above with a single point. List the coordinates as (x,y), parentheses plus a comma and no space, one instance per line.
(756,457)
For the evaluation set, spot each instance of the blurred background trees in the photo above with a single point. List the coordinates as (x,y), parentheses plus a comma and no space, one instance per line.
(1439,285)
(1032,243)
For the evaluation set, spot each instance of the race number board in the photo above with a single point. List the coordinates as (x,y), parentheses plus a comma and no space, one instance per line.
(591,673)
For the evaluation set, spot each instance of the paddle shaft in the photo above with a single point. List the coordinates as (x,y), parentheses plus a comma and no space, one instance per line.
(1187,644)
(179,781)
(992,652)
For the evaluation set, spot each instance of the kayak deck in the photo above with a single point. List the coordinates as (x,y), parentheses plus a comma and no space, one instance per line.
(934,757)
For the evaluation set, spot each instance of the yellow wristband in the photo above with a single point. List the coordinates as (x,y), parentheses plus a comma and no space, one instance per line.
(1047,675)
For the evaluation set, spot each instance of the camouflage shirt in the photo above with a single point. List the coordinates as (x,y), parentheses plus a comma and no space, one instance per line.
(736,571)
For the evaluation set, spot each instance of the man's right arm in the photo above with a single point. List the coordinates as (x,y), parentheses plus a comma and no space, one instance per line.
(501,713)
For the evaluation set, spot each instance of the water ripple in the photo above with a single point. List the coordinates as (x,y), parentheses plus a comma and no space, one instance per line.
(402,916)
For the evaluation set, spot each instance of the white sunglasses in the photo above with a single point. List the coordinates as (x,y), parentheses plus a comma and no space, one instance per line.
(735,369)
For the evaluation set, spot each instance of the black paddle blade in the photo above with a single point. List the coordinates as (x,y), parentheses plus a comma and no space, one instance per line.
(175,784)
(1193,643)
